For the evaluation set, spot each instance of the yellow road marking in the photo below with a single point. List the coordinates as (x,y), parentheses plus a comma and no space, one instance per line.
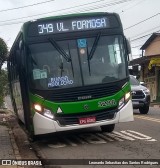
(147,118)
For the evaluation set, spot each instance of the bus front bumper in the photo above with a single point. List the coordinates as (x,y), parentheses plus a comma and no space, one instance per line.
(43,125)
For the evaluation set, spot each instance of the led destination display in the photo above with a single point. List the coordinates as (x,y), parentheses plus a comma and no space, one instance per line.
(72,25)
(48,26)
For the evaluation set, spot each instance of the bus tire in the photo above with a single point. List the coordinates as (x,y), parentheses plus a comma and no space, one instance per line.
(108,128)
(144,109)
(32,138)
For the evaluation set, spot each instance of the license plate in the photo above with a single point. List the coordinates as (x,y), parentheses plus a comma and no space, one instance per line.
(135,102)
(87,120)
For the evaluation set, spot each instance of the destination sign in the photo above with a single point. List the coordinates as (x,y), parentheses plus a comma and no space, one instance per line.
(72,25)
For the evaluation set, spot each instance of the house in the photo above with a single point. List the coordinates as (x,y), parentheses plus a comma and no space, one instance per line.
(150,65)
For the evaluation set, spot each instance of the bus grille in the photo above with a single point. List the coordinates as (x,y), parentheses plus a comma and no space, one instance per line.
(138,94)
(100,115)
(92,93)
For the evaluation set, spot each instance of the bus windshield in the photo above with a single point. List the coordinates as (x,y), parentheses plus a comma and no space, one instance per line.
(89,61)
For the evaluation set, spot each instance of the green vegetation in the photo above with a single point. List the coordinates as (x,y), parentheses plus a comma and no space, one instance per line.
(3,52)
(3,73)
(3,85)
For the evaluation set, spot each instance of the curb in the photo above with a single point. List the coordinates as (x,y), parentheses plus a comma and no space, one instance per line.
(15,147)
(155,105)
(21,146)
(4,121)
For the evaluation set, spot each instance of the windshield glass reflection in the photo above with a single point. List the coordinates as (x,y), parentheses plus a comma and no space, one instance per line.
(88,63)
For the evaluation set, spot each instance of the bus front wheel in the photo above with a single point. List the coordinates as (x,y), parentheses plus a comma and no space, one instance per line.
(107,128)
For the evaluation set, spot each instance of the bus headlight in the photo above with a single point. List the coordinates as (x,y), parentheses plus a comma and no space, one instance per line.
(38,107)
(124,100)
(127,96)
(45,112)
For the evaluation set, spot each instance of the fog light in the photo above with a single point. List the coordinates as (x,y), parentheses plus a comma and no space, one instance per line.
(121,103)
(48,113)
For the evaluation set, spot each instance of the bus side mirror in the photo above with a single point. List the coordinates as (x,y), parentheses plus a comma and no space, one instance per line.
(128,46)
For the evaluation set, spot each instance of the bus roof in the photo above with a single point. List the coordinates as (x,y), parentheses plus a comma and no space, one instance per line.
(72,15)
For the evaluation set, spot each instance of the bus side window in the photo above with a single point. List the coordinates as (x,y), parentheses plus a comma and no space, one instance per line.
(21,49)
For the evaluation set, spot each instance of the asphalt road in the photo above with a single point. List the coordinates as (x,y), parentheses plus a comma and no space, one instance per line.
(133,140)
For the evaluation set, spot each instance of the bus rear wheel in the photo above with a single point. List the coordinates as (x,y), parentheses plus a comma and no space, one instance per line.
(107,128)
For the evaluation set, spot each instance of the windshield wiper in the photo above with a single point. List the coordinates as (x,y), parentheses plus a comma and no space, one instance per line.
(59,49)
(71,60)
(94,46)
(63,53)
(88,60)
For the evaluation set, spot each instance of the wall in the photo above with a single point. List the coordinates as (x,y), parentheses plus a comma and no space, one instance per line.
(151,85)
(153,48)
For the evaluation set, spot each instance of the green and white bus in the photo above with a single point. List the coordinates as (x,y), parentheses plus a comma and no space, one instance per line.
(70,72)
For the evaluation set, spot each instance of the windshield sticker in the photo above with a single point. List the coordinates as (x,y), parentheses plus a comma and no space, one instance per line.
(82,43)
(59,81)
(43,74)
(39,74)
(36,74)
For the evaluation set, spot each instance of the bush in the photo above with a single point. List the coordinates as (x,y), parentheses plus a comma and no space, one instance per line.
(3,86)
(3,52)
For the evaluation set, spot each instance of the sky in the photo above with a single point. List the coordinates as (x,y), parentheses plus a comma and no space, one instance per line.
(140,18)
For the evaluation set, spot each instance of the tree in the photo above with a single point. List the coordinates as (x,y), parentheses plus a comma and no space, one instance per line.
(3,52)
(3,85)
(3,73)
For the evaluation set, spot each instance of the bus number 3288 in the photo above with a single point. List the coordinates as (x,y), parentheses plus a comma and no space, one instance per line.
(107,103)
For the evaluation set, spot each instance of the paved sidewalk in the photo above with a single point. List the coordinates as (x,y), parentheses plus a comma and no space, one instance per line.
(8,147)
(6,151)
(14,142)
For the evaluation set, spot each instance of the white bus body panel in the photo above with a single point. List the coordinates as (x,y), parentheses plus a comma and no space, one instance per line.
(18,100)
(126,113)
(43,125)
